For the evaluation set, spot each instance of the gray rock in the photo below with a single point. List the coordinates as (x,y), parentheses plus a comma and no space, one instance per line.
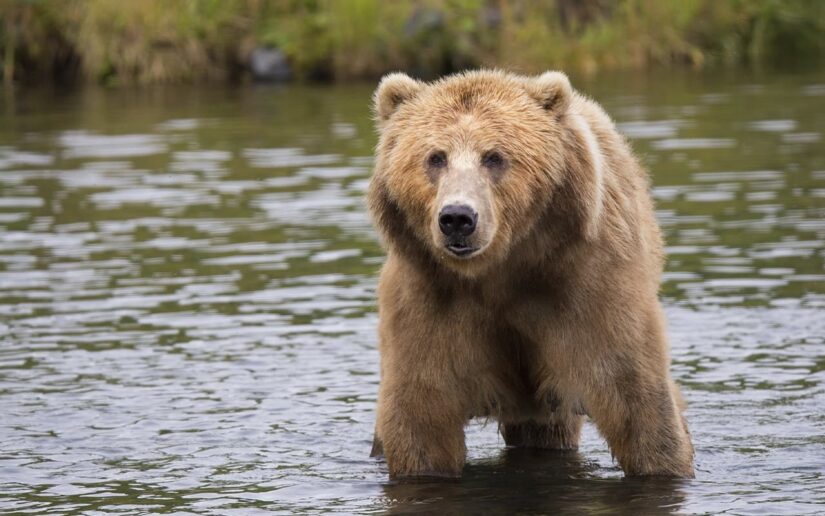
(269,65)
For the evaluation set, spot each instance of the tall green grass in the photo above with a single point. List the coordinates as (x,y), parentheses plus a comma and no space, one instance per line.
(156,41)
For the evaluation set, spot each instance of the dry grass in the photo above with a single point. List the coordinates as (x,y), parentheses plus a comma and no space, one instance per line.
(156,41)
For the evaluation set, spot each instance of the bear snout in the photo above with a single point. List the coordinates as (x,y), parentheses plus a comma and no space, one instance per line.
(457,220)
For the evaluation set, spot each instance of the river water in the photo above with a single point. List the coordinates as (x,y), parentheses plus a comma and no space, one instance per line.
(187,314)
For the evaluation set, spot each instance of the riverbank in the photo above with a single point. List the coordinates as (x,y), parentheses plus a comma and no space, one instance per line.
(153,41)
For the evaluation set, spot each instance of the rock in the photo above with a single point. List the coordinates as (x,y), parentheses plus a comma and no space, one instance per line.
(269,65)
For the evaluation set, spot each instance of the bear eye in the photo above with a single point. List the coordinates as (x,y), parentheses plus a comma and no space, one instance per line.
(493,159)
(437,159)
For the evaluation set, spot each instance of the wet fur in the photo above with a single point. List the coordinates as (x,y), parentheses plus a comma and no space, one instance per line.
(559,318)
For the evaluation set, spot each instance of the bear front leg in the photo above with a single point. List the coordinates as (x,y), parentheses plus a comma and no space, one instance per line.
(640,418)
(377,446)
(421,430)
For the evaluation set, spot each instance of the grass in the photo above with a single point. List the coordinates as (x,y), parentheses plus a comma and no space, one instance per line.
(157,41)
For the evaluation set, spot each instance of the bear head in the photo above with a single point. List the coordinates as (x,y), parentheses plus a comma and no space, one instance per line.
(467,167)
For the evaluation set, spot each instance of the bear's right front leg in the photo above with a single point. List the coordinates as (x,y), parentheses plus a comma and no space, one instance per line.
(421,428)
(431,355)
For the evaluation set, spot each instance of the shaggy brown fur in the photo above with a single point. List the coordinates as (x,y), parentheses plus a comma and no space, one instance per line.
(555,316)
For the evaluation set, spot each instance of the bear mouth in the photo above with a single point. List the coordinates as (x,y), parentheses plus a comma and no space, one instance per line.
(460,250)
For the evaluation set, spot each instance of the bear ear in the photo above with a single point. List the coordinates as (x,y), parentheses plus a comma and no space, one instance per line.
(393,90)
(551,89)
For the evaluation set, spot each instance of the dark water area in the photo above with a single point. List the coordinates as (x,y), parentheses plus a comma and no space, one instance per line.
(187,314)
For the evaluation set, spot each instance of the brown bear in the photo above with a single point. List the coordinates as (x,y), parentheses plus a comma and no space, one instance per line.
(522,274)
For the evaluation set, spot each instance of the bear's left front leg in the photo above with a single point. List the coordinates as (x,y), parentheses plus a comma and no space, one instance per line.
(636,409)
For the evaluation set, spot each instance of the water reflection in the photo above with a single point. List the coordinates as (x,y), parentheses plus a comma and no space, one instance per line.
(536,482)
(187,287)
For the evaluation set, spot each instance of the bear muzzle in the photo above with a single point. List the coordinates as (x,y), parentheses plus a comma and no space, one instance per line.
(457,222)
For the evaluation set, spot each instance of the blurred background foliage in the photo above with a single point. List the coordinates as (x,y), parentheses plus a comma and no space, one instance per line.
(158,41)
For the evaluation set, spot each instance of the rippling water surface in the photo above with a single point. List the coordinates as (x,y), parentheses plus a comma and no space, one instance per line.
(187,309)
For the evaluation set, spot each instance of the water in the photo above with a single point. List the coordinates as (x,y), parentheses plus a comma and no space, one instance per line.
(187,309)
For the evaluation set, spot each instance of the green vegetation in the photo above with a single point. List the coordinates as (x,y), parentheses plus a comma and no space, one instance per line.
(155,41)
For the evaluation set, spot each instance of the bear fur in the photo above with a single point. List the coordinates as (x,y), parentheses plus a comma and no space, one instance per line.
(549,309)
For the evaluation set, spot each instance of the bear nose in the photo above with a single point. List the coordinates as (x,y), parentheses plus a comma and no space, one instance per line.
(457,219)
